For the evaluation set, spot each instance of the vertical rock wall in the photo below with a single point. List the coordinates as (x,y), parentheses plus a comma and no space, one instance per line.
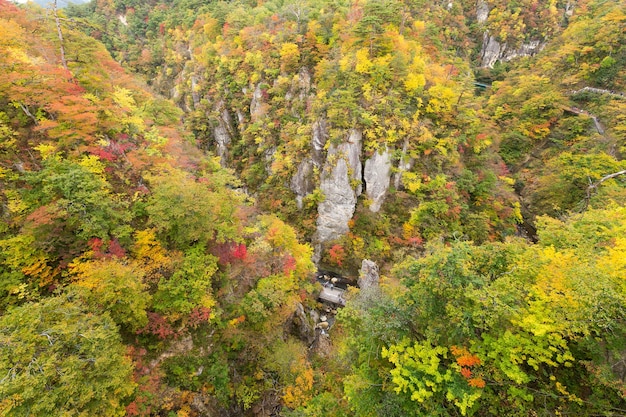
(222,133)
(342,170)
(377,174)
(404,164)
(493,51)
(256,104)
(303,182)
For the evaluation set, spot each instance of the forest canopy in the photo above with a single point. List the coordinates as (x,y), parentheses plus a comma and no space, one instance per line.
(181,181)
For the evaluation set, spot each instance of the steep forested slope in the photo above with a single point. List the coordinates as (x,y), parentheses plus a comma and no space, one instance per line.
(141,275)
(133,271)
(326,109)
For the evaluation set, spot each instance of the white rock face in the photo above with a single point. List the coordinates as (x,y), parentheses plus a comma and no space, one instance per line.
(342,166)
(493,51)
(377,175)
(269,159)
(368,276)
(256,104)
(351,149)
(222,134)
(339,203)
(482,11)
(195,96)
(320,137)
(302,182)
(527,49)
(404,164)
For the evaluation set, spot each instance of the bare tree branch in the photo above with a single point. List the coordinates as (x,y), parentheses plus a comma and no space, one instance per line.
(58,23)
(28,113)
(594,186)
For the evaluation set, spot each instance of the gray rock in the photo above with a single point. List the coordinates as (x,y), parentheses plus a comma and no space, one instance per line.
(195,96)
(482,11)
(240,117)
(269,159)
(323,346)
(302,183)
(319,139)
(368,276)
(302,326)
(352,151)
(304,83)
(256,104)
(404,164)
(377,174)
(222,133)
(175,94)
(342,167)
(569,8)
(338,205)
(314,315)
(493,51)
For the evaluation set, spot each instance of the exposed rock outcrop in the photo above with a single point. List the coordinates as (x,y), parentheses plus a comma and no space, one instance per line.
(301,325)
(269,159)
(368,276)
(240,118)
(319,139)
(569,8)
(352,151)
(323,346)
(341,170)
(256,104)
(404,164)
(482,11)
(304,182)
(195,96)
(377,174)
(304,83)
(222,133)
(338,205)
(493,51)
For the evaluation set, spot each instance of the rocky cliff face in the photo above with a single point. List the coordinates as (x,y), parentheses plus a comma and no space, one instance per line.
(368,276)
(222,133)
(256,104)
(482,11)
(404,164)
(377,174)
(259,125)
(493,51)
(341,185)
(304,181)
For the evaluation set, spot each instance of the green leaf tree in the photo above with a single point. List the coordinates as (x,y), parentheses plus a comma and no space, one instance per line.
(185,210)
(58,358)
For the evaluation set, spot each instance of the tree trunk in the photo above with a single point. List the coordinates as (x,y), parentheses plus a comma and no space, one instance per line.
(58,23)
